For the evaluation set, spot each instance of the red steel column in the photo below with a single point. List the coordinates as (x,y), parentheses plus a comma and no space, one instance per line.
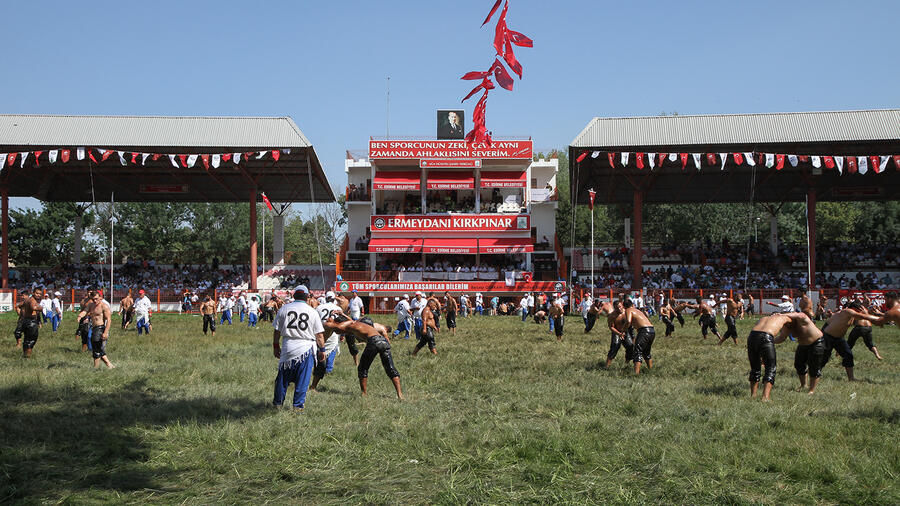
(811,235)
(253,239)
(636,265)
(4,248)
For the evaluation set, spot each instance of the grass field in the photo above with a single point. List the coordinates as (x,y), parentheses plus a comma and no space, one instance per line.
(504,414)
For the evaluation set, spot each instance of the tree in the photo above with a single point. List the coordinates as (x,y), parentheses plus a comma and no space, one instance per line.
(47,237)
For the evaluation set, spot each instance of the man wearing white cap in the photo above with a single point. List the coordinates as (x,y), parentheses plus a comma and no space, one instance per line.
(327,309)
(46,312)
(253,311)
(56,311)
(298,341)
(479,304)
(142,312)
(403,313)
(785,306)
(355,306)
(417,305)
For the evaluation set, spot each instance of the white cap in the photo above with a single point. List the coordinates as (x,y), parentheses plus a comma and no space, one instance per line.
(57,294)
(329,295)
(405,296)
(785,297)
(321,300)
(301,288)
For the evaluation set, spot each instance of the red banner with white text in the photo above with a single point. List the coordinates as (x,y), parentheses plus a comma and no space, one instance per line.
(875,296)
(449,149)
(461,223)
(450,286)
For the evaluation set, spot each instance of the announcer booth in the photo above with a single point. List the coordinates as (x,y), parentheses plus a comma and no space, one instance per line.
(445,215)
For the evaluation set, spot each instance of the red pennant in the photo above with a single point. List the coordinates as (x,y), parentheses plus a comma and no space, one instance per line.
(471,76)
(268,203)
(612,160)
(897,161)
(593,194)
(493,10)
(500,30)
(11,159)
(874,161)
(106,155)
(738,158)
(276,154)
(501,75)
(91,155)
(829,161)
(711,158)
(519,39)
(803,158)
(183,159)
(156,156)
(851,164)
(779,162)
(639,157)
(510,59)
(581,157)
(37,156)
(684,158)
(205,159)
(65,156)
(662,158)
(248,154)
(226,157)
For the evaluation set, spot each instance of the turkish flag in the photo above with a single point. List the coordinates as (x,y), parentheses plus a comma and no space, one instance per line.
(493,10)
(581,157)
(511,60)
(519,39)
(829,161)
(684,158)
(851,164)
(106,155)
(640,160)
(803,158)
(711,158)
(738,158)
(226,157)
(593,194)
(662,156)
(134,158)
(276,154)
(612,160)
(897,161)
(205,159)
(501,75)
(779,162)
(873,161)
(156,156)
(11,159)
(91,155)
(65,155)
(183,159)
(500,30)
(37,158)
(268,203)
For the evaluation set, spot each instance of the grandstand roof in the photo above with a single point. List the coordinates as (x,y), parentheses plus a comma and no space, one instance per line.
(839,133)
(284,180)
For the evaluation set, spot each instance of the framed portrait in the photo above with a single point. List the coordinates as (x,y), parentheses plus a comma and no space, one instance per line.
(451,124)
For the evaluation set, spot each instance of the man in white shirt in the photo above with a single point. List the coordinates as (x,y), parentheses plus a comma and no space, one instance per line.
(253,311)
(479,303)
(464,305)
(242,305)
(327,309)
(56,311)
(785,306)
(142,312)
(416,306)
(403,314)
(585,308)
(523,307)
(298,328)
(356,306)
(224,310)
(46,308)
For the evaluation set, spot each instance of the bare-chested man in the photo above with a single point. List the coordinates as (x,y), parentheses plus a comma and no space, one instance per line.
(617,324)
(450,304)
(378,342)
(30,314)
(677,308)
(834,331)
(707,318)
(665,315)
(126,309)
(733,309)
(429,326)
(330,309)
(806,304)
(100,318)
(643,340)
(436,310)
(769,331)
(597,310)
(555,313)
(208,310)
(863,329)
(891,312)
(822,311)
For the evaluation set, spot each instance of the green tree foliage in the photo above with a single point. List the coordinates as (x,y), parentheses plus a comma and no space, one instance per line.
(47,237)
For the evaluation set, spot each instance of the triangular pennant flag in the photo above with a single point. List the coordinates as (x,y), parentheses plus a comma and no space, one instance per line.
(2,159)
(122,158)
(248,154)
(696,160)
(829,161)
(624,159)
(863,164)
(52,155)
(816,161)
(803,158)
(738,158)
(612,159)
(711,158)
(286,151)
(897,161)
(749,157)
(23,158)
(11,159)
(192,160)
(236,158)
(581,157)
(144,157)
(873,160)
(851,165)
(91,155)
(595,154)
(261,154)
(651,158)
(156,156)
(793,160)
(65,155)
(226,157)
(684,158)
(662,158)
(673,157)
(106,154)
(134,156)
(205,159)
(723,157)
(779,162)
(770,160)
(174,162)
(37,158)
(267,201)
(884,162)
(79,153)
(216,159)
(592,194)
(639,158)
(183,159)
(839,162)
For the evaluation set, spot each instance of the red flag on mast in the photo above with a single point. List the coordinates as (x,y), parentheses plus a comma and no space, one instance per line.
(593,194)
(267,201)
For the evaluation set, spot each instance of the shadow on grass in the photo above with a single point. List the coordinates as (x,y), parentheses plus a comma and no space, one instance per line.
(88,441)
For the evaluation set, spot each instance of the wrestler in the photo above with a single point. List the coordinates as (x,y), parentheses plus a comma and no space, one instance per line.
(377,339)
(643,342)
(665,316)
(451,312)
(126,309)
(429,327)
(208,310)
(769,331)
(834,331)
(733,309)
(20,322)
(596,309)
(100,317)
(707,318)
(84,325)
(617,323)
(436,310)
(806,304)
(30,313)
(891,312)
(555,312)
(330,309)
(677,309)
(863,329)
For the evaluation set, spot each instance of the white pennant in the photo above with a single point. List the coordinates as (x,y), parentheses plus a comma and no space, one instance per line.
(215,160)
(2,160)
(236,158)
(750,160)
(696,160)
(883,164)
(286,151)
(52,154)
(673,157)
(192,159)
(863,164)
(172,159)
(595,154)
(261,154)
(24,155)
(80,153)
(793,160)
(816,161)
(770,160)
(624,158)
(144,157)
(724,157)
(652,157)
(839,161)
(122,158)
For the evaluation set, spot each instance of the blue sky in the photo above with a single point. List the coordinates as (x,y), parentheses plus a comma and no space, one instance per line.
(325,64)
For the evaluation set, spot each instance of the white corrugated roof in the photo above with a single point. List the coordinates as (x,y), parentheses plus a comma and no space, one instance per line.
(112,131)
(870,125)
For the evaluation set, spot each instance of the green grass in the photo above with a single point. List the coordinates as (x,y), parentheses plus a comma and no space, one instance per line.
(504,414)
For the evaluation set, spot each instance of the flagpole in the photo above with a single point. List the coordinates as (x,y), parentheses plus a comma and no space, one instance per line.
(593,283)
(112,245)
